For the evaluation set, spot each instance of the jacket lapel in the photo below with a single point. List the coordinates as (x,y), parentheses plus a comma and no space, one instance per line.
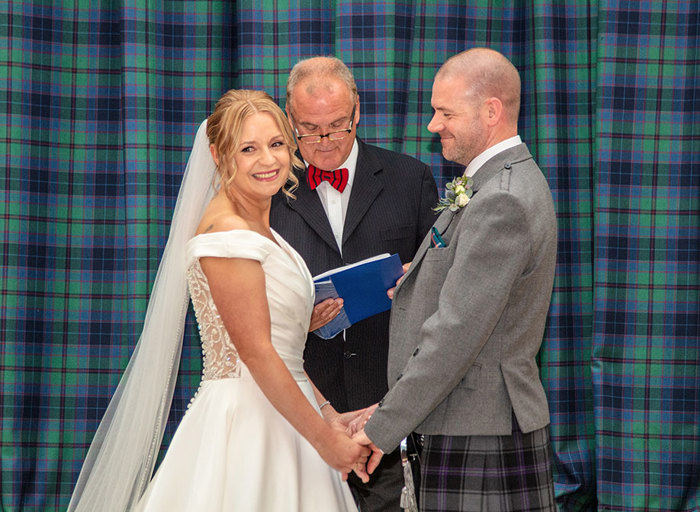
(365,189)
(309,207)
(492,167)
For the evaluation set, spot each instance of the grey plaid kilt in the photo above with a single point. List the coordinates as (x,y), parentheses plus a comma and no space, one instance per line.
(487,473)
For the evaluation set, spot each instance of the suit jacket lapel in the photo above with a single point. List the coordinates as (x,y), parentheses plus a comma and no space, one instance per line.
(365,189)
(309,207)
(492,167)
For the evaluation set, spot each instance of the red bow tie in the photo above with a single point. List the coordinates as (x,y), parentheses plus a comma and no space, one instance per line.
(338,179)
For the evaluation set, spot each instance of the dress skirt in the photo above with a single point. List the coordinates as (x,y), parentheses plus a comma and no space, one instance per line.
(234,452)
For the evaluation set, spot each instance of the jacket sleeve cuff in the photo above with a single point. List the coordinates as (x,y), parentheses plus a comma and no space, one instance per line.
(382,432)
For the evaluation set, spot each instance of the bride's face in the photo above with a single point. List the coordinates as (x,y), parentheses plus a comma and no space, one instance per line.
(262,157)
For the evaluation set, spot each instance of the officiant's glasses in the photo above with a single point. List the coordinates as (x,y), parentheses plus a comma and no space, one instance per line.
(313,138)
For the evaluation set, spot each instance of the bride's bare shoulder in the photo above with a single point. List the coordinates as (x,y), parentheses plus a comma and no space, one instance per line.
(218,218)
(222,223)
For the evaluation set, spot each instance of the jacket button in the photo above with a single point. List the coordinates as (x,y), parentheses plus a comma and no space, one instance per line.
(415,352)
(506,165)
(347,354)
(381,402)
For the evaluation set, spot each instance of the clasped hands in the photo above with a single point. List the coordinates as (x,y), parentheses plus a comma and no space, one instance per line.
(352,424)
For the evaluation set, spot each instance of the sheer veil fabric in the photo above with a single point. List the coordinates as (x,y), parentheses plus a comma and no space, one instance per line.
(121,458)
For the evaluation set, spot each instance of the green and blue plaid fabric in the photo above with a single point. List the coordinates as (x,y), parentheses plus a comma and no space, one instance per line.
(101,102)
(100,105)
(645,358)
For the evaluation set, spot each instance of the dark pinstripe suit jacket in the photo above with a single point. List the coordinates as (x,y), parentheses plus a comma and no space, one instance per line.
(389,211)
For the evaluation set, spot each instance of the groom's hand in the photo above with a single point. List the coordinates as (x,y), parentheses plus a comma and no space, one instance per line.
(348,422)
(359,421)
(377,454)
(340,421)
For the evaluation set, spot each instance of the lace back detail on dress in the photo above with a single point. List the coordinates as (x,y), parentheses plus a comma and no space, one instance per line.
(219,357)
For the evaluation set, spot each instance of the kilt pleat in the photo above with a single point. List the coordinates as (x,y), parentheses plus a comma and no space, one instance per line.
(487,473)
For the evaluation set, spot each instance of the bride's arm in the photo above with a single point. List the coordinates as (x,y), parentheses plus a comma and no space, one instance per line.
(333,417)
(238,289)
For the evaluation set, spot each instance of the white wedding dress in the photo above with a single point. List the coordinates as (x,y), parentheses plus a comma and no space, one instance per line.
(233,451)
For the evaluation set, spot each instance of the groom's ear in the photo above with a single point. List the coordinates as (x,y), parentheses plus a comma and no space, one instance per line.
(493,111)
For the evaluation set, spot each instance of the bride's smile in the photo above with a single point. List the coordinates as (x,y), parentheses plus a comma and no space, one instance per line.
(266,176)
(261,158)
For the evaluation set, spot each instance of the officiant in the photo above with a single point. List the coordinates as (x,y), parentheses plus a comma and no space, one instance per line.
(354,201)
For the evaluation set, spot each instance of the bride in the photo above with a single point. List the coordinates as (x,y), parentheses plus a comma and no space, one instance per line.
(253,438)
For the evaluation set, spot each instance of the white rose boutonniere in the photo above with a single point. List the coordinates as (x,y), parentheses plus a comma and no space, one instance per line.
(457,194)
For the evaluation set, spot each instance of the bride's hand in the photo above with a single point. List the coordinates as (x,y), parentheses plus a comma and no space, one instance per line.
(324,312)
(344,454)
(358,422)
(342,421)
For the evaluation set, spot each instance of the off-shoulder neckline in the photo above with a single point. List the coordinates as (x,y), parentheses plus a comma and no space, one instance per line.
(206,235)
(279,242)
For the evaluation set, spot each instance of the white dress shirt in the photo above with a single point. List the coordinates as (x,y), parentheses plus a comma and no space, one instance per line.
(484,157)
(336,203)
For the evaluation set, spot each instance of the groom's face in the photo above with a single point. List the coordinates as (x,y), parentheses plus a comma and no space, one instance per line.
(457,120)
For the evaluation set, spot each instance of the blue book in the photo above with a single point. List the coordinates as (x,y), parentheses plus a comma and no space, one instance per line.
(362,286)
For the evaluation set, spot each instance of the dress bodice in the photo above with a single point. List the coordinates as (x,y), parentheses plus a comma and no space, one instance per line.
(290,295)
(233,449)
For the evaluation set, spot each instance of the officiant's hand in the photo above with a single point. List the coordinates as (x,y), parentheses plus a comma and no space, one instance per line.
(390,291)
(324,312)
(377,454)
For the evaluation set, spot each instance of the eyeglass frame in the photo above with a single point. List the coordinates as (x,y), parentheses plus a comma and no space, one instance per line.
(321,136)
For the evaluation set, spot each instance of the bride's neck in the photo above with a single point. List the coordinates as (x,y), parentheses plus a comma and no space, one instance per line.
(255,212)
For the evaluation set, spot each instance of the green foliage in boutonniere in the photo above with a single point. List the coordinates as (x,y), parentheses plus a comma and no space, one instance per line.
(457,195)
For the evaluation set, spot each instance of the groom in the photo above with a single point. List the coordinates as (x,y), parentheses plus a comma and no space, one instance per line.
(468,317)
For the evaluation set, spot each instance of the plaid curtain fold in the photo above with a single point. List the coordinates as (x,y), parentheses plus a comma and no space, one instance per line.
(645,356)
(101,104)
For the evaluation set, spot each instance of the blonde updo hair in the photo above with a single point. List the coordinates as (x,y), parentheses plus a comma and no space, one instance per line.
(225,124)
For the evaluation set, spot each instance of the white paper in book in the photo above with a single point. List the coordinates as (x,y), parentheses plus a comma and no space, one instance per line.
(350,265)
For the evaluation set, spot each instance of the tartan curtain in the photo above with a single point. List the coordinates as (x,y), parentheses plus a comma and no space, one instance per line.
(101,103)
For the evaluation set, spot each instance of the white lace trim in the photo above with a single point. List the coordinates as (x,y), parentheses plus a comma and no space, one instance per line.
(219,357)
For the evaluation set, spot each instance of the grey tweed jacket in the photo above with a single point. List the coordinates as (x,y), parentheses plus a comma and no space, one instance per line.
(467,319)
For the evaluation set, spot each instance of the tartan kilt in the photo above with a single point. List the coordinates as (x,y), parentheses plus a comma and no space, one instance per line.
(487,473)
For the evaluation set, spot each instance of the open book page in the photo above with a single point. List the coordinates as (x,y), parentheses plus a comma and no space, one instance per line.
(362,286)
(351,265)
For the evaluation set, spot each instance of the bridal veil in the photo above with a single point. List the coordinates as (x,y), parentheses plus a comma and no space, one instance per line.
(121,458)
